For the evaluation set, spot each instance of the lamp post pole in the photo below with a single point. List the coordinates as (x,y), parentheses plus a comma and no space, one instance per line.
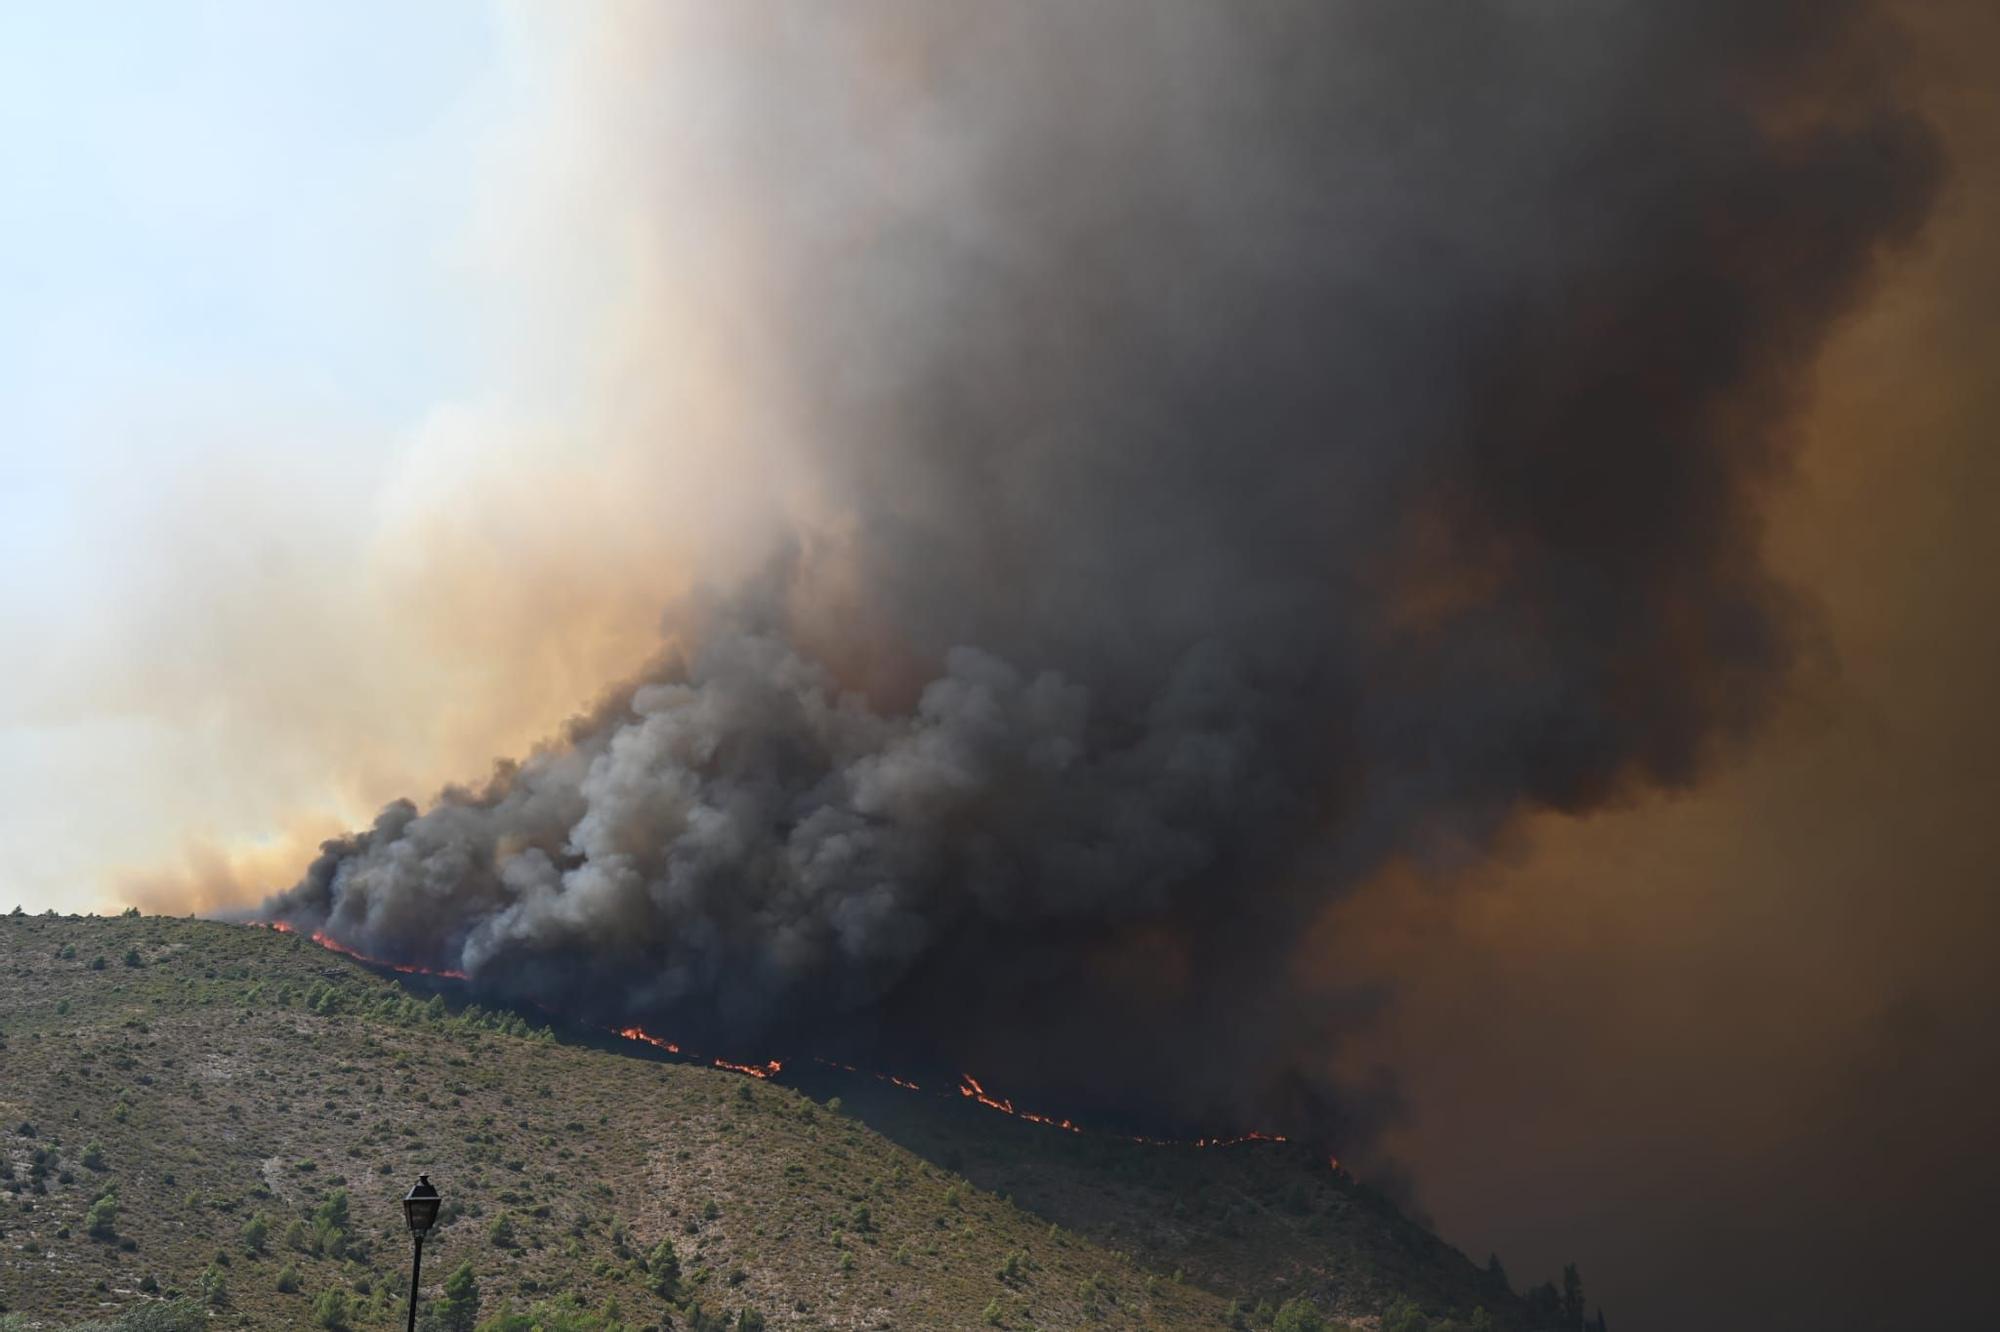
(416,1266)
(420,1209)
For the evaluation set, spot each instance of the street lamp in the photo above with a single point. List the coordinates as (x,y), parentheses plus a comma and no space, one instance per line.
(420,1209)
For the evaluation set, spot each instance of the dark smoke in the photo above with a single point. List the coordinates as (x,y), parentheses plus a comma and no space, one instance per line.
(1250,443)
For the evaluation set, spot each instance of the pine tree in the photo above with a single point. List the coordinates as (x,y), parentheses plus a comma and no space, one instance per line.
(457,1310)
(665,1266)
(1572,1298)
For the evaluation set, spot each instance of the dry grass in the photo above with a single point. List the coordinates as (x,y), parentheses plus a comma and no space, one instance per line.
(216,1093)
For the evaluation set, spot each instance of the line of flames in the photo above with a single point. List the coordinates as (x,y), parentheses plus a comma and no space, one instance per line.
(969,1087)
(333,945)
(770,1068)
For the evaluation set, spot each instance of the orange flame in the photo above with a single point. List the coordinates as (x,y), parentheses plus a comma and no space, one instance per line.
(969,1087)
(641,1034)
(889,1078)
(333,945)
(768,1069)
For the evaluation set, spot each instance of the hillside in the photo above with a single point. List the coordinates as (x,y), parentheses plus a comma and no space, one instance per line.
(235,1114)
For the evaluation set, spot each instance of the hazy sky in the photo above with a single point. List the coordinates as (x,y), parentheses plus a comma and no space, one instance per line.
(313,324)
(297,308)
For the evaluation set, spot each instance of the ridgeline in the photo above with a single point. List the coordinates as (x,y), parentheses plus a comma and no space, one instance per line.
(203,1125)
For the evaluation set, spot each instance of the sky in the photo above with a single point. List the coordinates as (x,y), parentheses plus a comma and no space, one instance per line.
(329,474)
(284,333)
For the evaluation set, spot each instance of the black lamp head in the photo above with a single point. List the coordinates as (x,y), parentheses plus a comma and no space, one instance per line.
(420,1205)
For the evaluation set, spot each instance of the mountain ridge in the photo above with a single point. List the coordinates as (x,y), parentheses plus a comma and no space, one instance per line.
(219,1083)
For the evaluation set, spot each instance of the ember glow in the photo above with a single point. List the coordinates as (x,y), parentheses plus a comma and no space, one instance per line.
(969,1087)
(333,945)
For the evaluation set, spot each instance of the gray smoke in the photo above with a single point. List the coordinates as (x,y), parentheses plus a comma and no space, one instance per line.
(1250,442)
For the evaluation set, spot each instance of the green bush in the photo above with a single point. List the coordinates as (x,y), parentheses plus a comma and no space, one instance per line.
(457,1310)
(256,1234)
(102,1219)
(93,1157)
(214,1286)
(665,1266)
(1404,1316)
(565,1314)
(1298,1315)
(332,1309)
(173,1316)
(332,1229)
(288,1279)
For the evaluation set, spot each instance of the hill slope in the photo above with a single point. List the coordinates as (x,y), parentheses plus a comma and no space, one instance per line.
(252,1107)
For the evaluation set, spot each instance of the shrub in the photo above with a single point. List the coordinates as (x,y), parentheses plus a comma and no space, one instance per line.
(510,1321)
(173,1316)
(1298,1315)
(288,1279)
(132,958)
(332,1309)
(1404,1316)
(256,1234)
(331,1227)
(665,1266)
(214,1286)
(93,1157)
(102,1219)
(501,1232)
(457,1310)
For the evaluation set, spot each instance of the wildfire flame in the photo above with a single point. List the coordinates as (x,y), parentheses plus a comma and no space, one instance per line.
(969,1087)
(768,1069)
(333,945)
(889,1078)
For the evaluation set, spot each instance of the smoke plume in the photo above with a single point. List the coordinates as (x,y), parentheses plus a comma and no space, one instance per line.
(1229,448)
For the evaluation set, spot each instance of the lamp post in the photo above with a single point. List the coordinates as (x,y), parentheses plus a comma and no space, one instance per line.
(420,1209)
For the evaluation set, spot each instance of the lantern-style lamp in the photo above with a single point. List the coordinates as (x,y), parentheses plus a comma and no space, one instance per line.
(420,1206)
(420,1209)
